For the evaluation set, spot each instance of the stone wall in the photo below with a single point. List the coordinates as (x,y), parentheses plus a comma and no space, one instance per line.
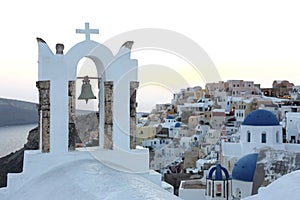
(44,113)
(108,115)
(72,115)
(132,108)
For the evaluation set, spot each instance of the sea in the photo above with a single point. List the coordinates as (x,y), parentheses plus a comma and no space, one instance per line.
(13,138)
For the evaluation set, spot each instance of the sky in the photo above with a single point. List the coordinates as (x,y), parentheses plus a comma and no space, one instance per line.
(251,40)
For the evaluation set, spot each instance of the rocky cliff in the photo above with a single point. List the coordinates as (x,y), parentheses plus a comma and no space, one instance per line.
(13,163)
(15,112)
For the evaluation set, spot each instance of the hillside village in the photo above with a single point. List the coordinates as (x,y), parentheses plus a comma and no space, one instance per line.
(202,127)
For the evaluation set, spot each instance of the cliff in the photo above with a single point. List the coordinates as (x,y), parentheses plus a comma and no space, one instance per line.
(13,163)
(15,112)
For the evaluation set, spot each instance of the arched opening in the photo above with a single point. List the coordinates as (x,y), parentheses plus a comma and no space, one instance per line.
(248,136)
(209,188)
(218,189)
(277,137)
(87,111)
(264,137)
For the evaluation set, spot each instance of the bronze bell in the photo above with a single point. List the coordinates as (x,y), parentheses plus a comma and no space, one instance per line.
(86,90)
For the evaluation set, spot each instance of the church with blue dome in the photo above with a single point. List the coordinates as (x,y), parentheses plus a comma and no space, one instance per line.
(218,183)
(259,129)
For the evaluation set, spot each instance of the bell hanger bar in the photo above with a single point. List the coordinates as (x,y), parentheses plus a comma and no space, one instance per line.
(82,77)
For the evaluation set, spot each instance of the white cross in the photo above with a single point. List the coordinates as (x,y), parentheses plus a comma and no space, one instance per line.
(87,31)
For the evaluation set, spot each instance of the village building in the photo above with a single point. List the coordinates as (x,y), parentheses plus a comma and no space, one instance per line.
(295,93)
(280,89)
(145,133)
(240,88)
(292,127)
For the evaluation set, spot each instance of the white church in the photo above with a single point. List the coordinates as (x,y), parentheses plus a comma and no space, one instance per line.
(116,169)
(260,128)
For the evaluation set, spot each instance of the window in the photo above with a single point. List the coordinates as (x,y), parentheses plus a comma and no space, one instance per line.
(209,189)
(248,136)
(218,189)
(264,137)
(277,136)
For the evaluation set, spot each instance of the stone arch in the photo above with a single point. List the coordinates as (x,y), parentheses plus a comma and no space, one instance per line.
(102,57)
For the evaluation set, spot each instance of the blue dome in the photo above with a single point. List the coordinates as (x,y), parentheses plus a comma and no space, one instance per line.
(261,118)
(218,176)
(170,117)
(177,125)
(244,168)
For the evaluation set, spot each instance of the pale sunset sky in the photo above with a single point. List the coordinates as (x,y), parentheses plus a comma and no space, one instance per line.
(257,40)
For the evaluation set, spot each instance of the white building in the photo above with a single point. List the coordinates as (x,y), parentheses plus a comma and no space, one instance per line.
(292,127)
(156,143)
(201,106)
(172,125)
(260,128)
(295,93)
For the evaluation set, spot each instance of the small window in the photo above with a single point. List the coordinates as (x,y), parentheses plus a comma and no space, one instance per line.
(277,136)
(218,189)
(248,136)
(264,137)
